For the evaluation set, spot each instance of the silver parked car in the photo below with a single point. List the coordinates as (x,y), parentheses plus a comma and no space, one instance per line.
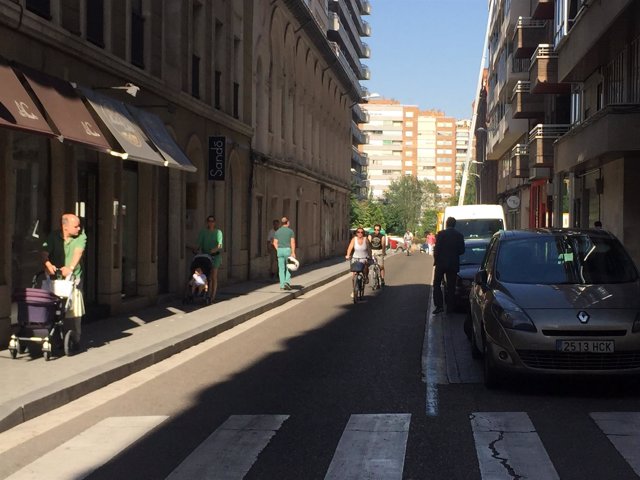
(561,301)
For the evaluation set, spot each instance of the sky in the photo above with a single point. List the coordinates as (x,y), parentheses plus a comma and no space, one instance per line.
(427,52)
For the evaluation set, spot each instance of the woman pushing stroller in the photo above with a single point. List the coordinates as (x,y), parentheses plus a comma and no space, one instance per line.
(210,243)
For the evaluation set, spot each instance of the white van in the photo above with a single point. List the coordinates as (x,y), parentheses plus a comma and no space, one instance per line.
(476,221)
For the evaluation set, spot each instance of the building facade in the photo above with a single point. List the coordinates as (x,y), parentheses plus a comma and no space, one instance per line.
(243,110)
(596,161)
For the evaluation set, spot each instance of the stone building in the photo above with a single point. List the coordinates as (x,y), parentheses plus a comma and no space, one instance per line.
(242,110)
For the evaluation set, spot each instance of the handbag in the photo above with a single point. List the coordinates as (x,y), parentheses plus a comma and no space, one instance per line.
(62,287)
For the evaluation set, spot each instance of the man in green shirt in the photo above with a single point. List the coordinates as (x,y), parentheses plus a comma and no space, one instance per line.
(210,242)
(284,242)
(62,251)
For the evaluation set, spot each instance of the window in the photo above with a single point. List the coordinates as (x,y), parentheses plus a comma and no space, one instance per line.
(95,21)
(137,34)
(40,7)
(576,104)
(408,114)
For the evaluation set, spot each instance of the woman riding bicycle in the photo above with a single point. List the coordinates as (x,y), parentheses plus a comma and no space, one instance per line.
(359,250)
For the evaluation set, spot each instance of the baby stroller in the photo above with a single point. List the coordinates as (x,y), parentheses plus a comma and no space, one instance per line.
(41,319)
(205,263)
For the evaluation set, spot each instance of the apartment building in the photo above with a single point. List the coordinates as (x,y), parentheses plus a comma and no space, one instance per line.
(346,28)
(242,110)
(597,47)
(527,108)
(385,131)
(462,144)
(404,140)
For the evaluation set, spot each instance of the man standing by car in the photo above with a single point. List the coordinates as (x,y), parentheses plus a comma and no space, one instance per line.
(446,258)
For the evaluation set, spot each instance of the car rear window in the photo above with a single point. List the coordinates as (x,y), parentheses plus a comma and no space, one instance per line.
(479,227)
(564,259)
(473,254)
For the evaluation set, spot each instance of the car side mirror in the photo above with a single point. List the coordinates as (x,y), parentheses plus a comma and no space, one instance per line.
(481,278)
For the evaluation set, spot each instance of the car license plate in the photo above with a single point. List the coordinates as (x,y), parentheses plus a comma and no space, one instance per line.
(585,346)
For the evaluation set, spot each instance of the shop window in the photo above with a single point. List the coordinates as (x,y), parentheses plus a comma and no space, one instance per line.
(31,218)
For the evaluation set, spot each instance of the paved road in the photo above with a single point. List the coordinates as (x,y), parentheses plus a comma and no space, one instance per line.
(322,388)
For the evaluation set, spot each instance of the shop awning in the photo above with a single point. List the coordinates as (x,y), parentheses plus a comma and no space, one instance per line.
(17,109)
(156,131)
(66,110)
(124,128)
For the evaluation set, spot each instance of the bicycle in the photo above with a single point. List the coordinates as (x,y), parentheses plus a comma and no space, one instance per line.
(358,280)
(375,273)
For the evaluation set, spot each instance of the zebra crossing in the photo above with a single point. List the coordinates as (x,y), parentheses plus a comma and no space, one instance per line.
(371,446)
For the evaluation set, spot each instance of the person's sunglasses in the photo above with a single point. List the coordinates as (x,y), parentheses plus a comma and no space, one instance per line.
(211,221)
(360,231)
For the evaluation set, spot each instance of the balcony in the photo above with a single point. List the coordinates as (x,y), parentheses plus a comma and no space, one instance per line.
(543,72)
(517,70)
(505,134)
(541,140)
(365,7)
(359,114)
(359,138)
(365,51)
(524,104)
(529,33)
(542,9)
(360,158)
(520,161)
(610,133)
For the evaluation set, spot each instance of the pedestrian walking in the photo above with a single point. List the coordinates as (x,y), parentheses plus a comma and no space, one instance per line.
(284,242)
(62,253)
(210,242)
(273,253)
(431,242)
(446,258)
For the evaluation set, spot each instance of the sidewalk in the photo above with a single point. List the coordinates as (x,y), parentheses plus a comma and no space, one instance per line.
(119,346)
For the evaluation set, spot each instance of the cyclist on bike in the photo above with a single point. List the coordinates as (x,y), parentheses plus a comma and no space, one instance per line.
(408,240)
(378,243)
(359,250)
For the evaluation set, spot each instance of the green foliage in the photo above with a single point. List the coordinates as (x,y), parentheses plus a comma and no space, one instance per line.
(408,203)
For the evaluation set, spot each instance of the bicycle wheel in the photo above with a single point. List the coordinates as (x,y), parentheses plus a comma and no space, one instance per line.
(360,286)
(354,281)
(376,277)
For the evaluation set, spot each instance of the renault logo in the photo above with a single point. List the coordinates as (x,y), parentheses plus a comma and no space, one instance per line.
(583,317)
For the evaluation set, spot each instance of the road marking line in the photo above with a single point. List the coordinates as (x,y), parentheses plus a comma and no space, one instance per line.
(433,362)
(88,451)
(623,431)
(230,451)
(32,428)
(508,447)
(371,446)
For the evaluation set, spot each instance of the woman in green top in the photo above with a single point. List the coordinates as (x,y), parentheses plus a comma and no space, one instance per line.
(210,242)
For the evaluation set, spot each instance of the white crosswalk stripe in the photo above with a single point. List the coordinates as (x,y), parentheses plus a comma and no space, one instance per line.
(623,431)
(508,447)
(230,451)
(372,447)
(86,452)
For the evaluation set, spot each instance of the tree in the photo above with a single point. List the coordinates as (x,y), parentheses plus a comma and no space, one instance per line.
(404,200)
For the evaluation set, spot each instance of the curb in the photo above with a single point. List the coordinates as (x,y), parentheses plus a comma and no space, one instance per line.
(53,396)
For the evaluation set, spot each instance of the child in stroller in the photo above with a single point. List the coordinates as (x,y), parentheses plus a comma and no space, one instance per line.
(198,285)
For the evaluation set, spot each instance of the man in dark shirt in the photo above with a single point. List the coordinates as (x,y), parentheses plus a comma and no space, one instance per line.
(446,257)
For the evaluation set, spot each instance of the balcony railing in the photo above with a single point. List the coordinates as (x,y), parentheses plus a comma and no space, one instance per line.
(541,140)
(529,33)
(543,72)
(524,104)
(359,114)
(520,161)
(358,136)
(361,158)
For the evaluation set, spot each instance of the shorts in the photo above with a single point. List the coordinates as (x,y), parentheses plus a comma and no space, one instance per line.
(379,256)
